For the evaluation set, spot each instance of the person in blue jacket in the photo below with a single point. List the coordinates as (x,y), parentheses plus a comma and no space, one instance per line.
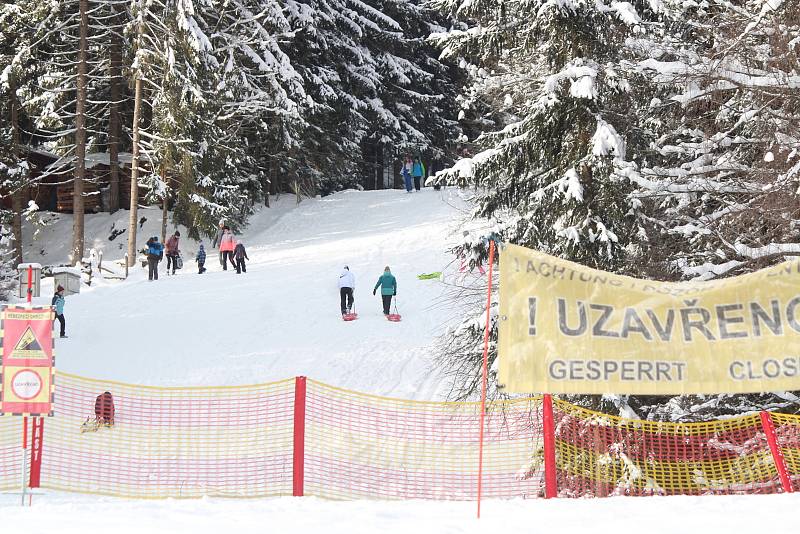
(155,251)
(388,284)
(418,172)
(201,259)
(58,302)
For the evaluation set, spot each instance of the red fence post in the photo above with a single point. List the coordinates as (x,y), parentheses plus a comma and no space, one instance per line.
(299,435)
(550,484)
(36,452)
(777,455)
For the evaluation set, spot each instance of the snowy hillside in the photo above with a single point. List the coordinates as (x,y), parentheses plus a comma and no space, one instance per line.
(281,318)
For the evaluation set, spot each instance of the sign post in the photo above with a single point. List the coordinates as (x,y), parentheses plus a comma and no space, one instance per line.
(27,366)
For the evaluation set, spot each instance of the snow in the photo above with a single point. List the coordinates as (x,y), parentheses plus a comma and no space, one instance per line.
(68,514)
(280,319)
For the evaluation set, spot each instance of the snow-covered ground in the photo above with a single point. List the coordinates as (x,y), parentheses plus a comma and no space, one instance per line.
(279,320)
(59,514)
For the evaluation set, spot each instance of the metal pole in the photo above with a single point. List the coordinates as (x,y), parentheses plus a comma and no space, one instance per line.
(126,266)
(485,375)
(24,458)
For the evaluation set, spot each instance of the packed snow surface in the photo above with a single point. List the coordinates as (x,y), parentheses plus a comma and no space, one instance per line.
(74,514)
(280,319)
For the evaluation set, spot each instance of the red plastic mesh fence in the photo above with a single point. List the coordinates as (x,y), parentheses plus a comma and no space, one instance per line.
(600,455)
(364,446)
(240,442)
(171,442)
(10,453)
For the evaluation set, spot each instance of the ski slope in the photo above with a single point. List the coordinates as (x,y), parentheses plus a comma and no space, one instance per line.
(281,318)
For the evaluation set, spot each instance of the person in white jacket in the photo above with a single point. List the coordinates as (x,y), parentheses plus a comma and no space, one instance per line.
(347,283)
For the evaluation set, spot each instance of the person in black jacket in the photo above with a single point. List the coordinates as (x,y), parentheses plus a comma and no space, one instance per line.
(240,254)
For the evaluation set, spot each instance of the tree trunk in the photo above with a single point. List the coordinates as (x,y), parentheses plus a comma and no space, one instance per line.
(379,184)
(164,207)
(80,138)
(16,195)
(114,123)
(134,209)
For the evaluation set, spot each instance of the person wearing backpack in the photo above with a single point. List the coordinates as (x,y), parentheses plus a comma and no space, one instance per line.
(240,254)
(172,251)
(58,301)
(388,284)
(155,251)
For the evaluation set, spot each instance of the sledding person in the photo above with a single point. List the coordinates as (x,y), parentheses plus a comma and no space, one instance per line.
(218,241)
(406,170)
(347,284)
(417,171)
(388,284)
(155,251)
(58,302)
(240,254)
(201,259)
(227,244)
(172,251)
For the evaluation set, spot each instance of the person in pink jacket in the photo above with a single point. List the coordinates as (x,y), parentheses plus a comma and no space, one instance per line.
(226,245)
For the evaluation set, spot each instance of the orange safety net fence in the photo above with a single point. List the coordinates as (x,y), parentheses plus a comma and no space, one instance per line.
(270,440)
(171,442)
(364,446)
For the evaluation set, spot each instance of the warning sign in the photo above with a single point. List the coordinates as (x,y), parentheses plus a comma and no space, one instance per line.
(26,368)
(28,347)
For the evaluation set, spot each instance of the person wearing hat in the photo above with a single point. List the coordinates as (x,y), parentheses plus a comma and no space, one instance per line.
(388,284)
(347,284)
(172,251)
(58,302)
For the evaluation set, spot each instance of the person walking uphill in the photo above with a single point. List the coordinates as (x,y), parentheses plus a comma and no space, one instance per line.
(201,259)
(347,284)
(218,241)
(227,244)
(406,171)
(418,171)
(172,251)
(388,284)
(240,254)
(155,251)
(58,302)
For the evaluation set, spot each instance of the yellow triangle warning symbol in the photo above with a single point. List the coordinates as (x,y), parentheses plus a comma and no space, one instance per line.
(28,347)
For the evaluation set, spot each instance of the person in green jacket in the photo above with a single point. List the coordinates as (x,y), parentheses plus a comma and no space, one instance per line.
(388,284)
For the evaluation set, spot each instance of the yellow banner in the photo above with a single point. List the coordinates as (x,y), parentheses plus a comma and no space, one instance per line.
(565,328)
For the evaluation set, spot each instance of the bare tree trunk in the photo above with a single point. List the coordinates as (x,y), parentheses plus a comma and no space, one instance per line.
(114,123)
(379,166)
(134,210)
(80,138)
(16,195)
(164,207)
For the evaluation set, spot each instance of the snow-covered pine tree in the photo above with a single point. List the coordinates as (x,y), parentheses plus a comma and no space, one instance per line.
(370,77)
(554,94)
(719,187)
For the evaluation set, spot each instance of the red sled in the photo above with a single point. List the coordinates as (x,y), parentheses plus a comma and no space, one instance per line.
(394,317)
(349,316)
